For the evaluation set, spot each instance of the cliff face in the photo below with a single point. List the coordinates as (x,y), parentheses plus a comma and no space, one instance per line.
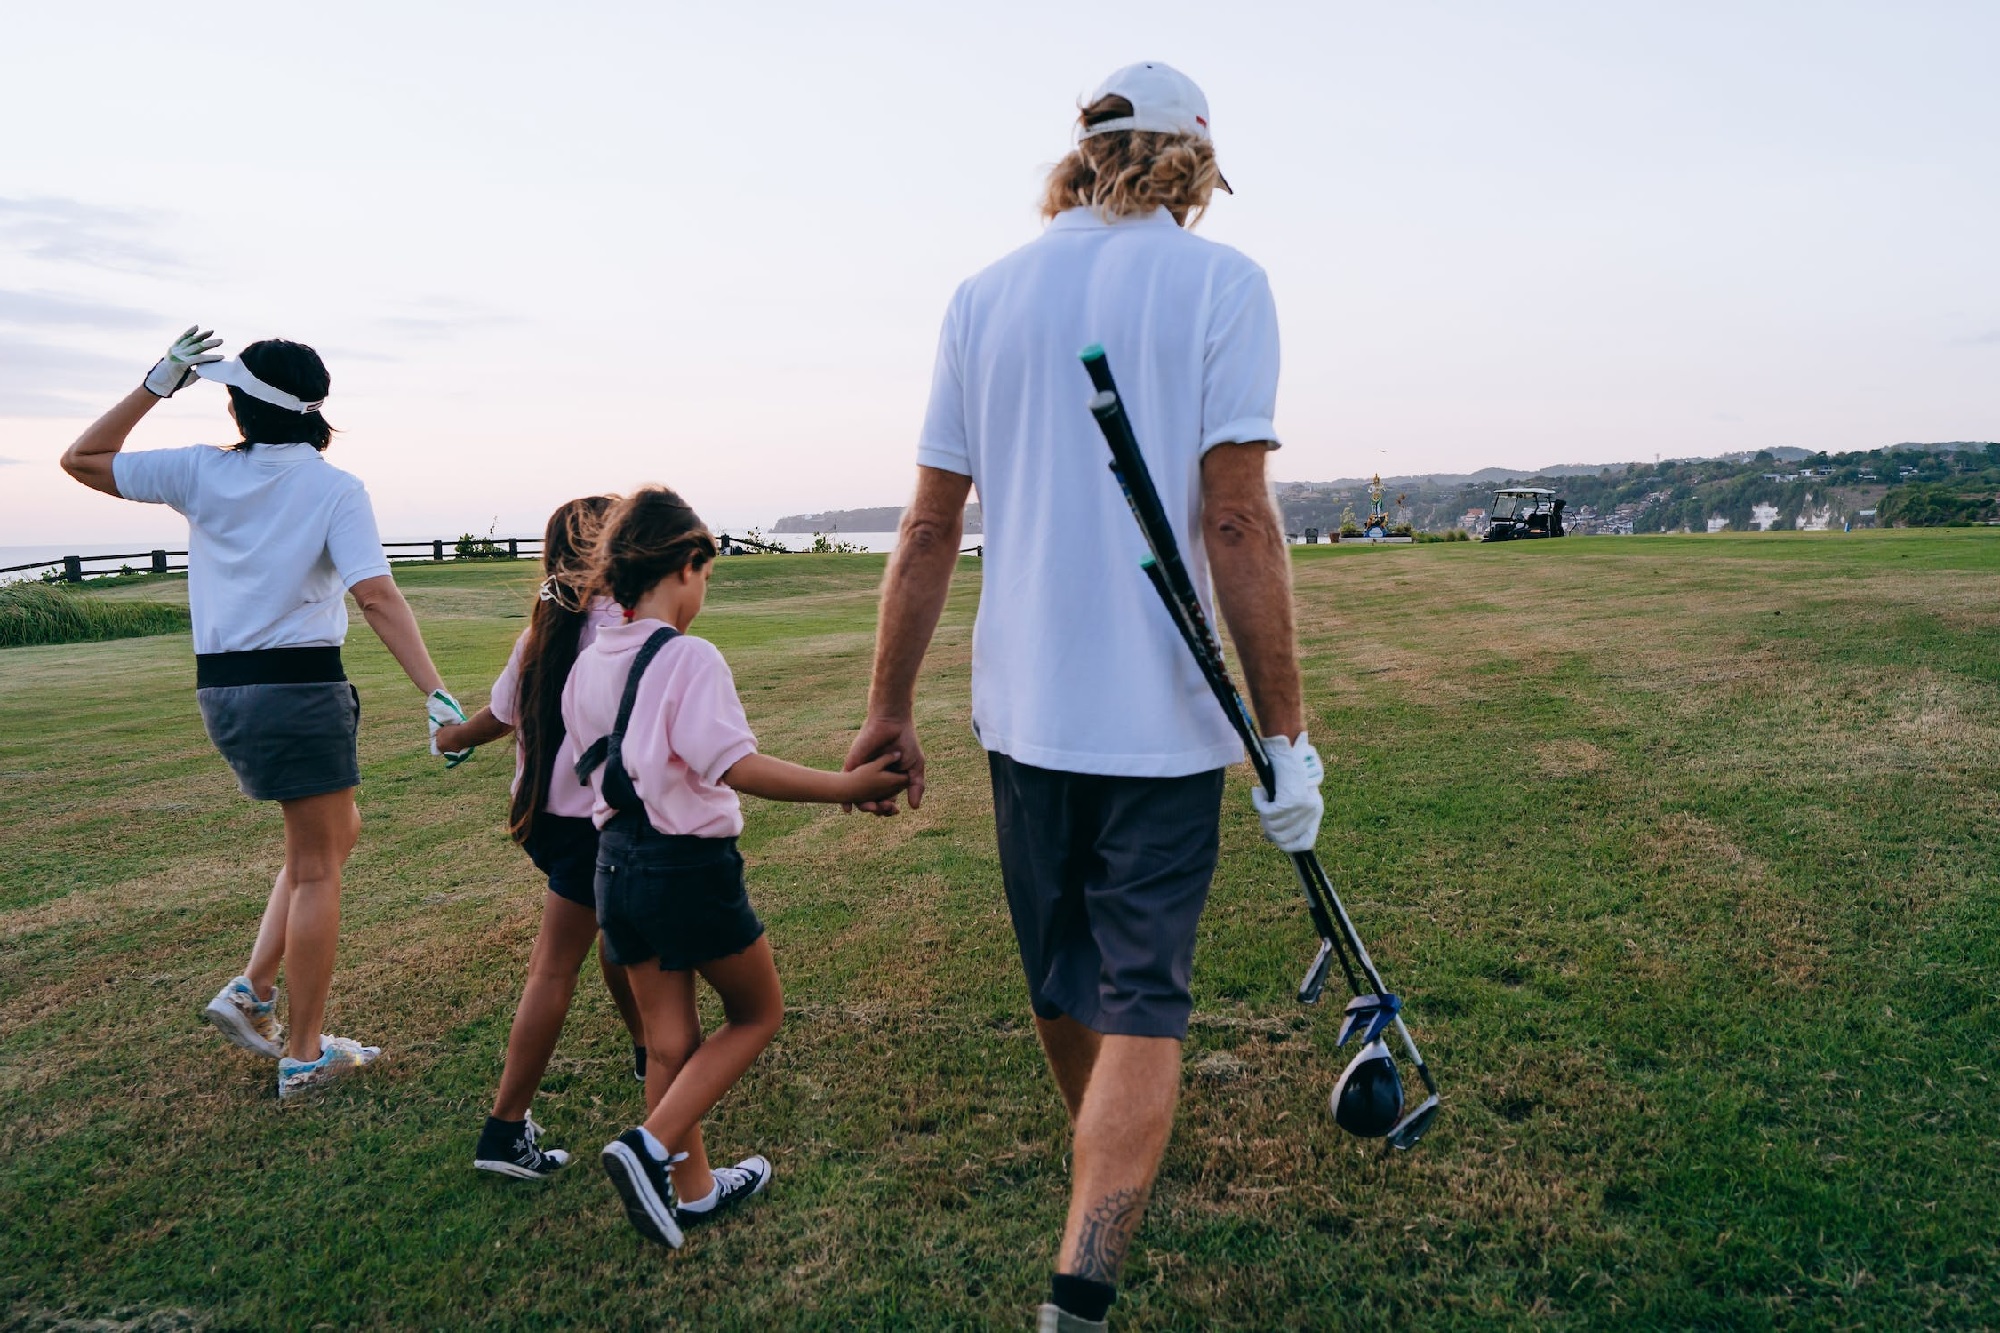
(882,518)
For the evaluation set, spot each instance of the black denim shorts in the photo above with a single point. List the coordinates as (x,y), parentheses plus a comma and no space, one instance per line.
(1106,878)
(668,896)
(564,847)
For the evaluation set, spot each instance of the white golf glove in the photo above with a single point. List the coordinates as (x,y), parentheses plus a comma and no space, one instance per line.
(176,368)
(440,708)
(1291,818)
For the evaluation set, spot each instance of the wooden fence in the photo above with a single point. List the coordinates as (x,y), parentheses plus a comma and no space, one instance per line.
(77,568)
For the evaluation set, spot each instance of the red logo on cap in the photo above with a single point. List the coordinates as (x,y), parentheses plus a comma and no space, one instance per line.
(1201,121)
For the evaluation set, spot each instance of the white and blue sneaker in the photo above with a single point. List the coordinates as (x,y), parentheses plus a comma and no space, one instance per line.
(337,1056)
(246,1020)
(642,1181)
(733,1185)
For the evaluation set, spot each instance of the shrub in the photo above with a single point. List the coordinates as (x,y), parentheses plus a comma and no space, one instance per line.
(33,613)
(469,547)
(825,545)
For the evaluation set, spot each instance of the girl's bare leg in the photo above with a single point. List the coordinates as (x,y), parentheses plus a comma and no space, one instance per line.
(620,987)
(673,1035)
(752,1005)
(568,930)
(320,832)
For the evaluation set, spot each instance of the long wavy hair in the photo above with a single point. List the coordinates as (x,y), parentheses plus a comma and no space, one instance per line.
(1129,173)
(555,627)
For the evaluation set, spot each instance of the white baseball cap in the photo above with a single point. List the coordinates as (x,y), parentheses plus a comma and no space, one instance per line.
(1164,101)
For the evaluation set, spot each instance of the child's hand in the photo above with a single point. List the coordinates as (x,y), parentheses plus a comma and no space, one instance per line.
(876,780)
(450,735)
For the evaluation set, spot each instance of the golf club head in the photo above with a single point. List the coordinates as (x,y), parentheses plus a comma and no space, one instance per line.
(1315,981)
(1368,1100)
(1412,1126)
(1368,1016)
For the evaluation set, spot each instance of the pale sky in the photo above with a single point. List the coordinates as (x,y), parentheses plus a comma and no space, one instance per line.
(549,249)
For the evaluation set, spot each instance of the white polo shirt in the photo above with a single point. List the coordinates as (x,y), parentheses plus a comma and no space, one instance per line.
(276,536)
(1075,664)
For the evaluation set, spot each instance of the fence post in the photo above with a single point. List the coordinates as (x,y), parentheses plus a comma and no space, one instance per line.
(72,569)
(437,550)
(159,562)
(513,548)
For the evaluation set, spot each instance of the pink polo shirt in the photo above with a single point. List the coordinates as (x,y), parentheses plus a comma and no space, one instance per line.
(687,728)
(566,796)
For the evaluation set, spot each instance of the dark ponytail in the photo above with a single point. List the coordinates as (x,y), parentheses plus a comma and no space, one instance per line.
(555,628)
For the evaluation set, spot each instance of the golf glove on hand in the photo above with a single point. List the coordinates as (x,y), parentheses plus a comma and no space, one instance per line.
(1291,818)
(440,708)
(176,368)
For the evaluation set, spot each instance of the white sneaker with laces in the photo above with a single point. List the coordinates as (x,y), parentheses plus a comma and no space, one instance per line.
(246,1020)
(733,1185)
(337,1056)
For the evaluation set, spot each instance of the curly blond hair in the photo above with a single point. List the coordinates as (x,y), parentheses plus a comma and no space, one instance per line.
(1129,173)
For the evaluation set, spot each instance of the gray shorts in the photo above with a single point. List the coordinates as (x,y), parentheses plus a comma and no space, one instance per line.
(286,741)
(1106,878)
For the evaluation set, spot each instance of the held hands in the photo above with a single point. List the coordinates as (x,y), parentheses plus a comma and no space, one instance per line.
(895,738)
(441,710)
(876,781)
(176,368)
(1291,817)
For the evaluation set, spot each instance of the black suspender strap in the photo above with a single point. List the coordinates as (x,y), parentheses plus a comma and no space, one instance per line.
(609,750)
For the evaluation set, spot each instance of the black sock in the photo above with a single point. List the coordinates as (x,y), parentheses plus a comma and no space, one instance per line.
(1082,1297)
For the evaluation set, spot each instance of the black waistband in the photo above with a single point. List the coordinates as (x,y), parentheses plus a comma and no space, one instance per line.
(268,666)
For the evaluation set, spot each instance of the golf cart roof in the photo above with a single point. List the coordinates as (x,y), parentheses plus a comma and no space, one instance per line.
(1524,490)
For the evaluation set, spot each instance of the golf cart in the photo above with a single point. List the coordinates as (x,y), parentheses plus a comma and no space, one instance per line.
(1525,511)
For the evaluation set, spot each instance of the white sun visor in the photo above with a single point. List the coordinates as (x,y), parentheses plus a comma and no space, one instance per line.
(234,372)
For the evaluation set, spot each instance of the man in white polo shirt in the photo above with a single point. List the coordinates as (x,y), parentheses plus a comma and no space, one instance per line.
(1106,749)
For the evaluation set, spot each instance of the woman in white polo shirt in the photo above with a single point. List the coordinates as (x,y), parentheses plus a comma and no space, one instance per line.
(276,537)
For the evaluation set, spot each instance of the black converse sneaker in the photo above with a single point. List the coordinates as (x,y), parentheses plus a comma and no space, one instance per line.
(644,1185)
(507,1148)
(733,1184)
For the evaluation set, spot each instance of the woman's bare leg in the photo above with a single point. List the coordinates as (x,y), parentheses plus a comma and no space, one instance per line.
(568,929)
(269,951)
(320,832)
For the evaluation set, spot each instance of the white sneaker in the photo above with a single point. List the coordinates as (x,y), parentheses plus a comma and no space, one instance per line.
(337,1056)
(1055,1319)
(246,1020)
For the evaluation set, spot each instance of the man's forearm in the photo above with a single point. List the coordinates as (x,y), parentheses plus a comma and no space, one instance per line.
(1252,570)
(913,597)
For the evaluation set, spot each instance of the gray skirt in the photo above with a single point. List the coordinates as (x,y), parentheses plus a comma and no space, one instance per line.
(286,741)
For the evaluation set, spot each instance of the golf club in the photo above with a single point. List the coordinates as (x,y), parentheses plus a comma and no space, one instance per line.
(1368,1099)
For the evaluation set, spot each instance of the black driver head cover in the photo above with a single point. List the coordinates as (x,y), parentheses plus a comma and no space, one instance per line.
(1368,1100)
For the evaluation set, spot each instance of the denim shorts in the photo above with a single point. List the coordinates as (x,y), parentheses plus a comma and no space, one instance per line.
(286,741)
(668,896)
(1106,879)
(564,847)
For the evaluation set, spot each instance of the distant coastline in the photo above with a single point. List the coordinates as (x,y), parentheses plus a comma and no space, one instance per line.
(882,518)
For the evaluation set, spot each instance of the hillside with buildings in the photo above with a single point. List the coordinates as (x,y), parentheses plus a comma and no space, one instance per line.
(1919,485)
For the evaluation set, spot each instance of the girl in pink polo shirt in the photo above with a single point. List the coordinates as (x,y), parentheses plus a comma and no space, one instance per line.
(550,818)
(666,747)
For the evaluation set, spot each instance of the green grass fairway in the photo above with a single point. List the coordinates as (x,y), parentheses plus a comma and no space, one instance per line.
(1683,851)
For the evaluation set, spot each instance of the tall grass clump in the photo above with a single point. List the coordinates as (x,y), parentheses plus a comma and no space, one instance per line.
(33,613)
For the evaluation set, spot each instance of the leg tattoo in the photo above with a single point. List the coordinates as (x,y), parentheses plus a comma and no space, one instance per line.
(1107,1234)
